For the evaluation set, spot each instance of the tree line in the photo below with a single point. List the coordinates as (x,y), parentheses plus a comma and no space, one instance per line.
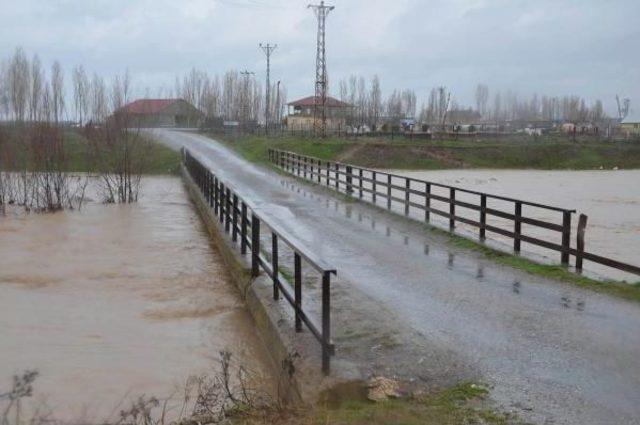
(369,107)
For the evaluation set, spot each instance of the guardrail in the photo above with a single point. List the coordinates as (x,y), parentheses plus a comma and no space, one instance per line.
(404,190)
(240,219)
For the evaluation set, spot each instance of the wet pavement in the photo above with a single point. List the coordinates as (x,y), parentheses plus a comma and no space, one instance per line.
(552,352)
(117,301)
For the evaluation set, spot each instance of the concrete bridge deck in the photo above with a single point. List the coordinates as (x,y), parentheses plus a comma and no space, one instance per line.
(408,304)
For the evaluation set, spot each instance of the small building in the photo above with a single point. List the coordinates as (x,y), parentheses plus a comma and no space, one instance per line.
(162,113)
(300,114)
(631,124)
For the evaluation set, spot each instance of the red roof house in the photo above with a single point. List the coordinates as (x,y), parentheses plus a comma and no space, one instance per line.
(162,113)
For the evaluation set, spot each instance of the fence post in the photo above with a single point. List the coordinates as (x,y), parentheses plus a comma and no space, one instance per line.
(360,182)
(517,227)
(319,176)
(407,193)
(483,217)
(349,179)
(328,167)
(374,184)
(234,223)
(452,208)
(566,237)
(305,167)
(222,202)
(255,245)
(337,177)
(274,264)
(582,226)
(326,323)
(243,229)
(297,266)
(215,195)
(427,202)
(227,211)
(388,191)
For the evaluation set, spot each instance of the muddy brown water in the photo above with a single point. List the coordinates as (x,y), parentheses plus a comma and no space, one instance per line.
(117,301)
(611,199)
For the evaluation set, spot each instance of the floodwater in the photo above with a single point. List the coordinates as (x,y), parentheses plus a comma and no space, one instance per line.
(117,301)
(611,200)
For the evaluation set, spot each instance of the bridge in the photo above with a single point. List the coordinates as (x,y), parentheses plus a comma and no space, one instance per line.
(408,304)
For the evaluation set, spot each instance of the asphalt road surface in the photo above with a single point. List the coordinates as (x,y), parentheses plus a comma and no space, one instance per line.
(553,353)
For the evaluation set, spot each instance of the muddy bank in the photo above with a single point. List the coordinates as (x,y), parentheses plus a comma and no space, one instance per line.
(117,301)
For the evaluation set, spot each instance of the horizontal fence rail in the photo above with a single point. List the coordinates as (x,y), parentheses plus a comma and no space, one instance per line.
(240,219)
(411,193)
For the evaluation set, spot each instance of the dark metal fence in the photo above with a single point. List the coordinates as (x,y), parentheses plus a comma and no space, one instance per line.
(239,218)
(419,194)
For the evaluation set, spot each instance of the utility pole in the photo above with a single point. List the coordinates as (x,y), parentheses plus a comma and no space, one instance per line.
(268,49)
(279,112)
(245,95)
(320,100)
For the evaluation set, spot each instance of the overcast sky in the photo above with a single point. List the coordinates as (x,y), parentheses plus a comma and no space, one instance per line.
(555,47)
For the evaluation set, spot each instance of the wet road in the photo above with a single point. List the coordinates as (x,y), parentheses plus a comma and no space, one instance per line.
(554,353)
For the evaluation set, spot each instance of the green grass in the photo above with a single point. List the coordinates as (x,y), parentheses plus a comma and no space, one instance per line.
(461,404)
(159,159)
(549,152)
(556,272)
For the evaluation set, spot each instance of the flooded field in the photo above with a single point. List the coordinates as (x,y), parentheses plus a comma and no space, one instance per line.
(611,199)
(117,301)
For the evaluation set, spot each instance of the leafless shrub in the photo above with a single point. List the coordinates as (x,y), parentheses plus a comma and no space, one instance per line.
(118,148)
(22,388)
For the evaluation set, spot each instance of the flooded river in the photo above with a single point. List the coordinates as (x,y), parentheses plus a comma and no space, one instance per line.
(611,199)
(117,301)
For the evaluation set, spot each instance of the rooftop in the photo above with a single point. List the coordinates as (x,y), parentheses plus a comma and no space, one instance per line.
(148,106)
(310,101)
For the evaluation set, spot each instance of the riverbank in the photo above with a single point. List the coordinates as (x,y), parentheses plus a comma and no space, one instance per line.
(545,153)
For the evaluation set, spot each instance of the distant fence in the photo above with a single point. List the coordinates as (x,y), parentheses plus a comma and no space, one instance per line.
(420,194)
(239,219)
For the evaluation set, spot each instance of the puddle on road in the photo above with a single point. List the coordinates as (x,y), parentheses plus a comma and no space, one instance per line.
(117,301)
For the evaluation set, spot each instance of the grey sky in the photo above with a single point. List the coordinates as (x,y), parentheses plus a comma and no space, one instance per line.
(555,47)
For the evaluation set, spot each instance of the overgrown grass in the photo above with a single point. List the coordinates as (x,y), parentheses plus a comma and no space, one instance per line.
(549,152)
(620,289)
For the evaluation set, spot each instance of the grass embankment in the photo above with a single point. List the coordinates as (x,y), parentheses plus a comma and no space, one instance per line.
(158,159)
(547,153)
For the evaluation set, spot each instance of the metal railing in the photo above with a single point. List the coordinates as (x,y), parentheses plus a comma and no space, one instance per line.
(358,181)
(240,219)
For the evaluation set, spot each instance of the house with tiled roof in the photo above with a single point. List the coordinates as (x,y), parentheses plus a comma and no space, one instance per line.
(630,125)
(301,116)
(162,113)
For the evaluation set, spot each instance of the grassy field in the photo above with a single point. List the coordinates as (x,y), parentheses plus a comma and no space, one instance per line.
(547,153)
(159,159)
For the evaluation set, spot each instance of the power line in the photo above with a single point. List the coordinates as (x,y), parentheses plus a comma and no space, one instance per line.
(268,50)
(320,100)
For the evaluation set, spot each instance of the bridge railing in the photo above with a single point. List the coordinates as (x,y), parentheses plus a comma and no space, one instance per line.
(507,213)
(239,218)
